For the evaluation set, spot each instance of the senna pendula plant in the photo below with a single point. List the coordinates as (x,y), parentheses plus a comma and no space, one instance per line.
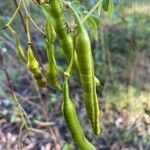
(85,62)
(78,53)
(53,12)
(68,107)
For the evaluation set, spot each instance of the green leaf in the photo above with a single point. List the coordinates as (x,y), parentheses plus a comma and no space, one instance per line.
(46,11)
(105,4)
(108,5)
(91,21)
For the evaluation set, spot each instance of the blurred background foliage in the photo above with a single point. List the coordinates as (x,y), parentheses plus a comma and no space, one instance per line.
(121,51)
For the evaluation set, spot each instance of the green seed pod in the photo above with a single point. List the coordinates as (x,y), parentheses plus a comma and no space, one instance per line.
(52,70)
(20,51)
(69,112)
(86,71)
(54,13)
(52,66)
(64,37)
(82,61)
(33,66)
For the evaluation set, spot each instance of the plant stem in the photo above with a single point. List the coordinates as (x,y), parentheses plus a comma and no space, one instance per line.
(14,15)
(68,4)
(28,32)
(81,21)
(36,26)
(26,10)
(28,15)
(11,30)
(21,15)
(99,3)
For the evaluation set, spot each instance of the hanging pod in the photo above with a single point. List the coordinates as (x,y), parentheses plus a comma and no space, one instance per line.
(52,66)
(72,121)
(86,72)
(20,51)
(83,60)
(54,12)
(33,66)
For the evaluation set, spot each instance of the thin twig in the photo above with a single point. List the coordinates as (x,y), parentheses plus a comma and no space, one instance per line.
(11,30)
(27,28)
(40,132)
(44,124)
(18,106)
(21,15)
(36,26)
(14,15)
(99,3)
(28,15)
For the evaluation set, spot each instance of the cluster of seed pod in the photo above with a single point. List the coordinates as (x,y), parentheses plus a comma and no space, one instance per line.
(82,61)
(31,63)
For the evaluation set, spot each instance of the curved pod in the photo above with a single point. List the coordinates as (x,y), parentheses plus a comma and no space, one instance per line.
(72,121)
